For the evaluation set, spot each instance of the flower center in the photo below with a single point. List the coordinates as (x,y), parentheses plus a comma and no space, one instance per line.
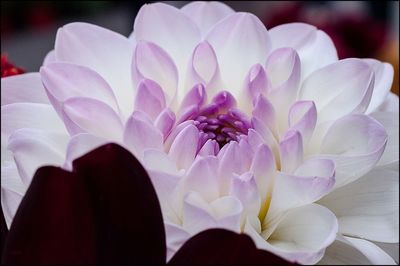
(221,121)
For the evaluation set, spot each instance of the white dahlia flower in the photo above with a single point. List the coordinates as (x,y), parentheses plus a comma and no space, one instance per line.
(258,131)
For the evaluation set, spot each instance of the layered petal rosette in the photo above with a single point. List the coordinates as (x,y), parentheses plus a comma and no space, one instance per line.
(260,132)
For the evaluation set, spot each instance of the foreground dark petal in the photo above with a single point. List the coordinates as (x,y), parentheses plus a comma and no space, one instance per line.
(3,231)
(104,212)
(223,247)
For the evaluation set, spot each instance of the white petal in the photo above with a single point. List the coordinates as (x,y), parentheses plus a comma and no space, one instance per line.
(303,233)
(391,103)
(206,14)
(199,215)
(314,47)
(383,82)
(183,149)
(12,190)
(104,51)
(338,89)
(368,208)
(81,144)
(239,32)
(311,181)
(391,123)
(33,148)
(169,28)
(50,58)
(64,81)
(391,249)
(356,153)
(303,117)
(29,115)
(23,88)
(175,237)
(150,61)
(140,134)
(85,113)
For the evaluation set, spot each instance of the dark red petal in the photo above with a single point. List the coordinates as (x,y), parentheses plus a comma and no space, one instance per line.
(223,247)
(104,212)
(3,231)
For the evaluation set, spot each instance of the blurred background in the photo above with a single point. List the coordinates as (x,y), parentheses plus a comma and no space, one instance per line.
(358,28)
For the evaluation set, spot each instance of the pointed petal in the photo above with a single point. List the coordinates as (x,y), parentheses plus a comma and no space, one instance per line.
(291,151)
(239,32)
(202,178)
(339,89)
(303,117)
(206,14)
(140,134)
(150,61)
(165,122)
(196,96)
(85,113)
(150,98)
(26,87)
(184,148)
(89,45)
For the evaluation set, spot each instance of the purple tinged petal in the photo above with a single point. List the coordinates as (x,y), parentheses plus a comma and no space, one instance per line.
(265,112)
(86,220)
(196,96)
(106,52)
(65,80)
(339,89)
(283,70)
(255,83)
(210,148)
(239,32)
(140,134)
(291,151)
(244,187)
(86,113)
(165,121)
(223,247)
(26,87)
(224,100)
(184,147)
(50,58)
(176,237)
(150,61)
(174,132)
(149,98)
(263,167)
(303,118)
(202,178)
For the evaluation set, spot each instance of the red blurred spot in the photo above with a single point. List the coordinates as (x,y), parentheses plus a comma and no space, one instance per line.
(8,69)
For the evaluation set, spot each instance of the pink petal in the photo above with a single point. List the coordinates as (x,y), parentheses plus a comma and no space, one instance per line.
(206,14)
(196,96)
(291,151)
(26,87)
(303,117)
(239,32)
(202,178)
(140,134)
(283,72)
(165,121)
(151,62)
(64,81)
(339,89)
(315,48)
(169,28)
(104,51)
(149,98)
(184,147)
(85,114)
